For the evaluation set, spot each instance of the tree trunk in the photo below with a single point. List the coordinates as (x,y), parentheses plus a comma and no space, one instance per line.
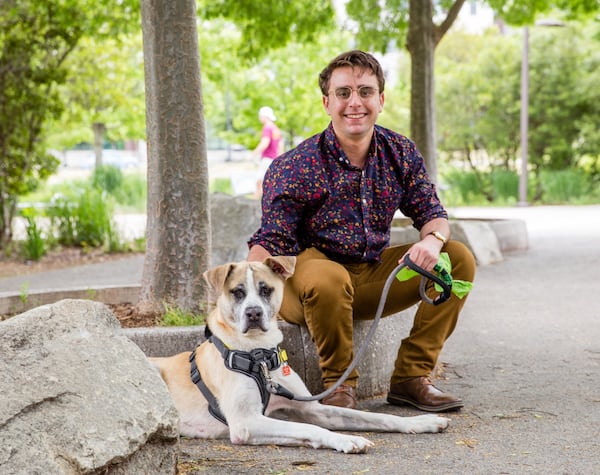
(421,46)
(178,223)
(422,39)
(99,130)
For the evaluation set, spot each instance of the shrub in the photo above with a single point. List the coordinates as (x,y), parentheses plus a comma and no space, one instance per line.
(84,219)
(564,186)
(34,246)
(175,316)
(108,178)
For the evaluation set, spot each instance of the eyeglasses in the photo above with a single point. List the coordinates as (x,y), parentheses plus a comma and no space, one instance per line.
(345,93)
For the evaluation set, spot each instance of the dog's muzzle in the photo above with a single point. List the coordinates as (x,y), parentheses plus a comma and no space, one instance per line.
(254,318)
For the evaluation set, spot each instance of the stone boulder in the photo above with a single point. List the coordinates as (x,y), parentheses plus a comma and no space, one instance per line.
(234,219)
(76,396)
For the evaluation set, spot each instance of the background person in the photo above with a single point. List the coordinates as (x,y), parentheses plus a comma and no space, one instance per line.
(270,145)
(331,201)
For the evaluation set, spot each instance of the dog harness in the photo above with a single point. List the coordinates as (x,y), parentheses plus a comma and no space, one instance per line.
(255,364)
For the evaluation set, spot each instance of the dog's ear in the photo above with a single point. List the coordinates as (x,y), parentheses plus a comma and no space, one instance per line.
(281,265)
(217,276)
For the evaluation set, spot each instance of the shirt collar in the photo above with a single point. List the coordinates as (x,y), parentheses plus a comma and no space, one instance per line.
(335,149)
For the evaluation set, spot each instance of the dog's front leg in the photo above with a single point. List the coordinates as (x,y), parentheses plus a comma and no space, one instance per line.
(339,418)
(263,430)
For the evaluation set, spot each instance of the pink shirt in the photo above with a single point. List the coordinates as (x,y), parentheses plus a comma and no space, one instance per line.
(274,134)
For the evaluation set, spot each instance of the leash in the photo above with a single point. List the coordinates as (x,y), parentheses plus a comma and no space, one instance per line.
(444,280)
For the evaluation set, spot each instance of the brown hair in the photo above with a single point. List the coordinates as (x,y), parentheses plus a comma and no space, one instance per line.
(354,59)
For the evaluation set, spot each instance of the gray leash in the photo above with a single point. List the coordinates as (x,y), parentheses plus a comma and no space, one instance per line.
(444,281)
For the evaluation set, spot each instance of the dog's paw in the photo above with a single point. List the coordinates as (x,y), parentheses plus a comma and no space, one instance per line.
(428,423)
(351,444)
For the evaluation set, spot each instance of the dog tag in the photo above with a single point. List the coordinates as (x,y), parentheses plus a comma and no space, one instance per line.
(285,366)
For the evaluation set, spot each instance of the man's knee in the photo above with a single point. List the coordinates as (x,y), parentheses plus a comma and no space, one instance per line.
(325,278)
(462,259)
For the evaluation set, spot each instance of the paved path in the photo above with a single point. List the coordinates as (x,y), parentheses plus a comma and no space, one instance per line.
(525,358)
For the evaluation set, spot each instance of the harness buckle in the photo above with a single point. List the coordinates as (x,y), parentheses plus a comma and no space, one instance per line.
(265,371)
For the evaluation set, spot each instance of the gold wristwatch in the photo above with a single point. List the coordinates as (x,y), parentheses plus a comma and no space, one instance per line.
(439,236)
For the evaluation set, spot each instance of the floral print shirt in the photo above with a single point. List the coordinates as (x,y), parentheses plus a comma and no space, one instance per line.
(314,197)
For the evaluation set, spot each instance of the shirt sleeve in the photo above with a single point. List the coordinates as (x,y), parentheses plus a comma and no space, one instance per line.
(420,201)
(286,198)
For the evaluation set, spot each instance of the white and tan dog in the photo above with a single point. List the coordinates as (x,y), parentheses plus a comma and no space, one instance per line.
(244,319)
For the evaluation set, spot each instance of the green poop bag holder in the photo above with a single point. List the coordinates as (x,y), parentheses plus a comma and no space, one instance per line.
(442,279)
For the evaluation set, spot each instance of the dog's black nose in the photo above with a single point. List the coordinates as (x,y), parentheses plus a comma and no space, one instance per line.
(254,314)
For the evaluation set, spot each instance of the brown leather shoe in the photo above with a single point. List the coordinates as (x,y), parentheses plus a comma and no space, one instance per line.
(422,394)
(344,396)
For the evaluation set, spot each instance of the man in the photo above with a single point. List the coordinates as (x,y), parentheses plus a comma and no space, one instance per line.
(331,201)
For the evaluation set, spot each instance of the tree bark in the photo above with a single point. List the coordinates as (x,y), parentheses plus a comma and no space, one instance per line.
(423,37)
(178,222)
(99,130)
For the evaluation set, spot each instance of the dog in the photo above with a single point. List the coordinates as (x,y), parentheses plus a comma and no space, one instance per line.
(215,398)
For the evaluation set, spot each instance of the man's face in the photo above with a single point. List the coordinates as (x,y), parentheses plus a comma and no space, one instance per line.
(354,115)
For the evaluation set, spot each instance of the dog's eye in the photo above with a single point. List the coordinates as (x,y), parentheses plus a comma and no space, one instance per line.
(238,293)
(264,290)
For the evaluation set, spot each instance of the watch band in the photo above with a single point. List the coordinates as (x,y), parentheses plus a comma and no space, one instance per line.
(439,236)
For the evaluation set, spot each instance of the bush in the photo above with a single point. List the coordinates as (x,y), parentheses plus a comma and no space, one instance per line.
(463,189)
(564,186)
(108,178)
(132,192)
(505,186)
(84,219)
(34,246)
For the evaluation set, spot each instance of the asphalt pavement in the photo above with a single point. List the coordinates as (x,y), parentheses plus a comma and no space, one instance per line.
(525,358)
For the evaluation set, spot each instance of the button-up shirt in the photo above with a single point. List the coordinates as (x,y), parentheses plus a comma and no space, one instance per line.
(314,197)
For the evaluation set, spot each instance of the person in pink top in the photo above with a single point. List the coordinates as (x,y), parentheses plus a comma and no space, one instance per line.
(270,145)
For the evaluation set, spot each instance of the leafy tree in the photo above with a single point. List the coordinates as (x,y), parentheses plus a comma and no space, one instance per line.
(411,24)
(104,93)
(478,99)
(36,37)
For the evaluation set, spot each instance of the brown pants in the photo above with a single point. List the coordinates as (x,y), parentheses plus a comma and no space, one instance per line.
(327,296)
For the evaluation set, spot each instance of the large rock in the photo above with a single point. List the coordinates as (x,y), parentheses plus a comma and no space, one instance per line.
(234,219)
(76,396)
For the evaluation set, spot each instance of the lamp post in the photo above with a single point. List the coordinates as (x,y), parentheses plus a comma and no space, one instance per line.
(524,118)
(525,108)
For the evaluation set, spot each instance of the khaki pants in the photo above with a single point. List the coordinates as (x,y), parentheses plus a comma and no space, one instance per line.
(327,296)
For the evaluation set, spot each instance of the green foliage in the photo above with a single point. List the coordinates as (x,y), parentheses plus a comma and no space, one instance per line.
(221,185)
(175,316)
(131,194)
(505,186)
(266,25)
(36,37)
(105,85)
(501,188)
(34,247)
(564,186)
(285,80)
(84,219)
(108,178)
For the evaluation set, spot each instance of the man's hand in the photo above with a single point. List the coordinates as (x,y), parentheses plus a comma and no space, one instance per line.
(258,253)
(426,252)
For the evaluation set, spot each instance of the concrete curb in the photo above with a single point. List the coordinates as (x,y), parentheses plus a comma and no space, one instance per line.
(19,303)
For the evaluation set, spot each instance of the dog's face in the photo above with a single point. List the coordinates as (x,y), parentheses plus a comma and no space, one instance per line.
(249,294)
